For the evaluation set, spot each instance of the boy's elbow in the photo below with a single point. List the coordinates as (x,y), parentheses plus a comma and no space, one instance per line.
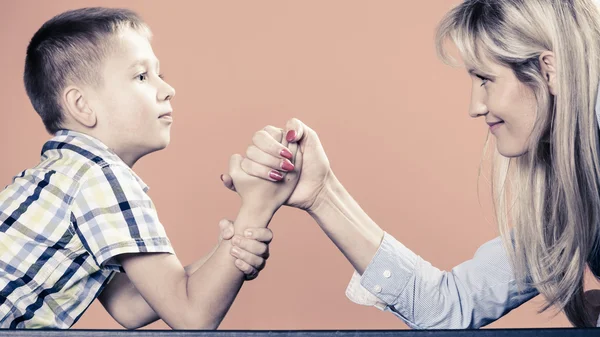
(129,323)
(129,326)
(193,321)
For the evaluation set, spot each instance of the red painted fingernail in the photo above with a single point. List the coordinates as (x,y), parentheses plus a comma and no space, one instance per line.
(222,177)
(291,135)
(275,175)
(286,165)
(285,153)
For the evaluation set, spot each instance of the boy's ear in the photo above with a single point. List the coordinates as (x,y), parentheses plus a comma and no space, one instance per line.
(78,107)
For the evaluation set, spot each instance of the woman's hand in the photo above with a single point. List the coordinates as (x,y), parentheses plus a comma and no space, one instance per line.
(265,156)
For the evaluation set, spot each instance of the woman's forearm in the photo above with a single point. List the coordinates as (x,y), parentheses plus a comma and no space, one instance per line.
(346,223)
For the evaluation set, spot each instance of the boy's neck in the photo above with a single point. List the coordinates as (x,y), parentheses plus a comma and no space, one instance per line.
(128,158)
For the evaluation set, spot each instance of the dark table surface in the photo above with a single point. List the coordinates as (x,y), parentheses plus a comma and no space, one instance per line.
(296,333)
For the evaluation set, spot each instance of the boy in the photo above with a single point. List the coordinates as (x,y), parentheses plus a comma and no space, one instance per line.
(80,225)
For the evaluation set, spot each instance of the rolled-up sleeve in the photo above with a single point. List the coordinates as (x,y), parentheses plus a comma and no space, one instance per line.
(471,295)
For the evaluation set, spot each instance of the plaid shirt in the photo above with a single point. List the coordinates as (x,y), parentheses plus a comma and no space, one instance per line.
(62,224)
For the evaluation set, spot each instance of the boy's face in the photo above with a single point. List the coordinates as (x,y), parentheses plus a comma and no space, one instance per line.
(132,105)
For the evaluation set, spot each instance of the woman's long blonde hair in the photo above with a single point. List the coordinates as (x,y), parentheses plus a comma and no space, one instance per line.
(550,195)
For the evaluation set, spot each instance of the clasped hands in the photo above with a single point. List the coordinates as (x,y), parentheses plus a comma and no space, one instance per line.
(282,166)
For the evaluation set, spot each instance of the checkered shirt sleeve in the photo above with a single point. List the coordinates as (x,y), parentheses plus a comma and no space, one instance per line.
(113,215)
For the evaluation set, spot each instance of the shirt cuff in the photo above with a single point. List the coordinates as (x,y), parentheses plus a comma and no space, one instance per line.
(107,255)
(385,277)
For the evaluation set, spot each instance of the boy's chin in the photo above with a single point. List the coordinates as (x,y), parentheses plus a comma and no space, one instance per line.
(163,144)
(157,146)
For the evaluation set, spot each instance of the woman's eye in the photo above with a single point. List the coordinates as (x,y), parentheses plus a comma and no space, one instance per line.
(483,79)
(142,77)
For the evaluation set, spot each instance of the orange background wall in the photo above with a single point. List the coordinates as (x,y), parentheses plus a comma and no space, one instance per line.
(364,74)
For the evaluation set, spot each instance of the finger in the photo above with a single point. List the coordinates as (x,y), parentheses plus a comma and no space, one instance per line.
(276,133)
(235,166)
(227,181)
(258,170)
(295,136)
(294,130)
(264,235)
(249,271)
(263,140)
(226,228)
(251,246)
(251,259)
(257,155)
(297,161)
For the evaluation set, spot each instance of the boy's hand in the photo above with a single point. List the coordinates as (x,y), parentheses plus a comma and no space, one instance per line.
(264,189)
(251,251)
(315,166)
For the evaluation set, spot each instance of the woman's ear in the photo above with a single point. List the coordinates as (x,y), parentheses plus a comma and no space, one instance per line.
(548,69)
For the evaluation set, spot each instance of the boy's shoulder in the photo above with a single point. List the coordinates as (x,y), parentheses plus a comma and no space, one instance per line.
(82,158)
(71,161)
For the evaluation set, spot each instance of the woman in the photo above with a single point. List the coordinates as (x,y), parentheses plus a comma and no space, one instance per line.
(535,72)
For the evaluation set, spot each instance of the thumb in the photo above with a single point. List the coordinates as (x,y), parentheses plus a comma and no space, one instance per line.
(294,130)
(226,229)
(235,166)
(227,181)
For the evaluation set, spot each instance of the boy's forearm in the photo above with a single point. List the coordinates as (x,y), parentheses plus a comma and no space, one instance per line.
(213,286)
(125,303)
(127,306)
(192,267)
(355,234)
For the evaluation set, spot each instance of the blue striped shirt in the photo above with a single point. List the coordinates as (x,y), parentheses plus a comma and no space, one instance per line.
(473,294)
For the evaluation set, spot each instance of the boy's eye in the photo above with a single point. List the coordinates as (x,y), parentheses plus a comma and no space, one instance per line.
(142,77)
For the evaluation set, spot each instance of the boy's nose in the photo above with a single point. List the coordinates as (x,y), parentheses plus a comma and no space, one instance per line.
(167,93)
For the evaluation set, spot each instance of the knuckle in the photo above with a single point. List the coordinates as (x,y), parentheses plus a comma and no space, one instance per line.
(252,151)
(246,268)
(259,136)
(262,265)
(243,255)
(250,270)
(243,244)
(256,137)
(246,165)
(259,264)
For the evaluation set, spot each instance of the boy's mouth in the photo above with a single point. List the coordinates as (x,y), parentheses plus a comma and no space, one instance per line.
(166,115)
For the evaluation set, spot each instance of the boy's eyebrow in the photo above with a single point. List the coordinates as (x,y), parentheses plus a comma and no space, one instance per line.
(142,62)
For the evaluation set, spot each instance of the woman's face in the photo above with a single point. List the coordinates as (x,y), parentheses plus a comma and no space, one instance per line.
(507,105)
